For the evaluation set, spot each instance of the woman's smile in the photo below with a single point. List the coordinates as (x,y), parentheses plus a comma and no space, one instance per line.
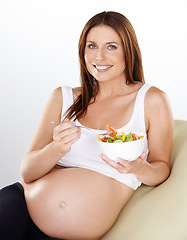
(102,68)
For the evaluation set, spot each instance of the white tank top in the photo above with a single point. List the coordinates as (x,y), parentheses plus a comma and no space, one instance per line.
(85,152)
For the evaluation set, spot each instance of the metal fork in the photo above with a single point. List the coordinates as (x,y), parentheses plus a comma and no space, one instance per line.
(103,134)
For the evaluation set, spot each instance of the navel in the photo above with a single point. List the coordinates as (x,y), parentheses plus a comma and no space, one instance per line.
(62,204)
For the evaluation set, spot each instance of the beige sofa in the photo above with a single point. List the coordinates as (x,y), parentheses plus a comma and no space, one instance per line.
(158,213)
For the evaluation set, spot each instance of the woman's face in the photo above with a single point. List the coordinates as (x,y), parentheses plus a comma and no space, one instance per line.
(104,54)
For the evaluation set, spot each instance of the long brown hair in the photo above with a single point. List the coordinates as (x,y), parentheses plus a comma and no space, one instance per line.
(133,60)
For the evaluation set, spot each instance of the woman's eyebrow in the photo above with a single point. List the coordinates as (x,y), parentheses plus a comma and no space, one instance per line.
(112,43)
(91,42)
(106,42)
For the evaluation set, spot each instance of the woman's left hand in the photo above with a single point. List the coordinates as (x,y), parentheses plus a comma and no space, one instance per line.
(125,166)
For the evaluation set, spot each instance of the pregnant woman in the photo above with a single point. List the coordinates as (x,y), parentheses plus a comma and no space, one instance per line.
(68,189)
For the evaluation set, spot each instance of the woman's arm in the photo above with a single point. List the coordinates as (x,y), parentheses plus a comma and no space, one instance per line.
(50,142)
(159,124)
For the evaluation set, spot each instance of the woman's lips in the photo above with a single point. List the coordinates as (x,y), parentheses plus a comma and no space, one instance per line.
(102,68)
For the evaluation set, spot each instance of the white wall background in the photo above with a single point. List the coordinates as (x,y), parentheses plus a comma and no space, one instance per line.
(38,52)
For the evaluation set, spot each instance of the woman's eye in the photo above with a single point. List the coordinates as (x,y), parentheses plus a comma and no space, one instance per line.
(92,46)
(112,47)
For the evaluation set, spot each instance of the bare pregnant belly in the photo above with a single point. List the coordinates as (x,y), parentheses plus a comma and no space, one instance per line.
(75,203)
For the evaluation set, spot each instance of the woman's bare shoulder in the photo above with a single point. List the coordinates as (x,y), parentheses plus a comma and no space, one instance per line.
(156,97)
(157,106)
(57,93)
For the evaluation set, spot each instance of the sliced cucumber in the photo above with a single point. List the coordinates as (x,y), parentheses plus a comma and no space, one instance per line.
(118,141)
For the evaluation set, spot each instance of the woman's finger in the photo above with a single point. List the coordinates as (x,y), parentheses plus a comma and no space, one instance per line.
(124,162)
(66,134)
(71,136)
(120,168)
(64,125)
(109,161)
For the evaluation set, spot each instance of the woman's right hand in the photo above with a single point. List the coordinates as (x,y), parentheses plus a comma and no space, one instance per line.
(64,135)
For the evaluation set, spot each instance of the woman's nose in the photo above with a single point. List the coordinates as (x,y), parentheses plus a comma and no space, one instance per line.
(100,55)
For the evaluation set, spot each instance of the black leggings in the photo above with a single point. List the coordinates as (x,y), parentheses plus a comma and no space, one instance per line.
(15,222)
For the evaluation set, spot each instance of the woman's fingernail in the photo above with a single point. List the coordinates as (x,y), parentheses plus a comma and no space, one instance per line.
(102,156)
(117,159)
(144,154)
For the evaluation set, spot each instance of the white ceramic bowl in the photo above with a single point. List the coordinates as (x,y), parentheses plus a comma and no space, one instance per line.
(126,150)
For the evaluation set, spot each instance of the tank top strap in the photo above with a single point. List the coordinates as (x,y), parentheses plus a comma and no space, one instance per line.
(67,96)
(138,118)
(143,90)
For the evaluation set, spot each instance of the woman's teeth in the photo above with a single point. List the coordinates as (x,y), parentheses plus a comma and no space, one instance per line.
(102,67)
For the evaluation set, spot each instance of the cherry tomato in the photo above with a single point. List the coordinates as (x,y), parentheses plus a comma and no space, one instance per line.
(134,136)
(104,139)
